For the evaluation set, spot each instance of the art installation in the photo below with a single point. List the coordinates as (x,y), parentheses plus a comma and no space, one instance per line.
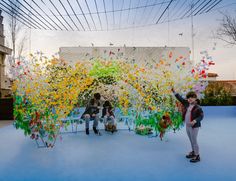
(46,91)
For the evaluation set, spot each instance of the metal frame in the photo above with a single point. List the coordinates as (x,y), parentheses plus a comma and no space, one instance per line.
(35,15)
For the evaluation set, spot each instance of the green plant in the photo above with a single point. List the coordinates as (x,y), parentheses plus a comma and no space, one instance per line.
(217,94)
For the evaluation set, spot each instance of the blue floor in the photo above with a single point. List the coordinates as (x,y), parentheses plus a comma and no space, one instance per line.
(124,155)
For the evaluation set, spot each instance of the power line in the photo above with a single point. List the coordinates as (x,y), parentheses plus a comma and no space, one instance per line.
(55,15)
(146,19)
(202,7)
(105,12)
(98,13)
(69,15)
(207,6)
(227,5)
(144,10)
(113,12)
(173,20)
(136,13)
(213,6)
(41,19)
(23,22)
(136,7)
(121,13)
(158,10)
(75,14)
(174,7)
(33,15)
(179,10)
(38,14)
(199,8)
(19,13)
(46,14)
(90,14)
(83,14)
(117,10)
(190,9)
(164,11)
(61,15)
(129,11)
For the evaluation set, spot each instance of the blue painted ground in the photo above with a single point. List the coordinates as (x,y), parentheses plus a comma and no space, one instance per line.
(124,155)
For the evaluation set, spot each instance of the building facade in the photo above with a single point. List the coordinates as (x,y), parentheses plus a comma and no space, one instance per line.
(5,84)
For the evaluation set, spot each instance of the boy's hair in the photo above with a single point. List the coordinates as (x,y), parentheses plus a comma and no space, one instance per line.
(97,96)
(198,101)
(191,94)
(107,104)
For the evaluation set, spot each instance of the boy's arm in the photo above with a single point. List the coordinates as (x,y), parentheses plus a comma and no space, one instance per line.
(181,99)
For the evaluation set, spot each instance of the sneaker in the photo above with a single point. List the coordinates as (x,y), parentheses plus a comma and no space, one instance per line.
(195,159)
(106,128)
(114,128)
(95,130)
(87,131)
(191,155)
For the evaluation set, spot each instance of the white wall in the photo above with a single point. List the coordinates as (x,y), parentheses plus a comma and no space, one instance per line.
(138,54)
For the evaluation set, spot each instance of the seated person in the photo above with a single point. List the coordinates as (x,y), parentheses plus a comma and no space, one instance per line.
(109,117)
(92,113)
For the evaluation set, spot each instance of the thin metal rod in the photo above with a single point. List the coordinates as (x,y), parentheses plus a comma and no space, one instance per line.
(98,13)
(136,13)
(174,7)
(121,13)
(119,10)
(179,10)
(164,11)
(90,14)
(206,7)
(33,15)
(105,12)
(55,15)
(190,9)
(23,22)
(154,18)
(61,15)
(10,9)
(144,10)
(83,14)
(113,12)
(69,15)
(202,8)
(38,14)
(75,15)
(212,6)
(46,15)
(129,10)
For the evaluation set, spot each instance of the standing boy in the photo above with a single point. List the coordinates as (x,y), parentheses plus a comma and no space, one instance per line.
(192,116)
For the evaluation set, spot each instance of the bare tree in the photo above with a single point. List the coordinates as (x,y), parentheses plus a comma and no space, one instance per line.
(17,35)
(21,46)
(227,30)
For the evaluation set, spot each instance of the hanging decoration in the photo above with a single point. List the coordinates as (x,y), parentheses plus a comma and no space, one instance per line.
(48,90)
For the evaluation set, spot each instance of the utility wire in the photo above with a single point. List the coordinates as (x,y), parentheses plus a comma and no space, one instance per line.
(75,15)
(61,15)
(83,14)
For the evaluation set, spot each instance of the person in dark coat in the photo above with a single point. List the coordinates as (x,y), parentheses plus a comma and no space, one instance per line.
(192,115)
(92,113)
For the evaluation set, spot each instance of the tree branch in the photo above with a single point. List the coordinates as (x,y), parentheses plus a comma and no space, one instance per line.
(227,30)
